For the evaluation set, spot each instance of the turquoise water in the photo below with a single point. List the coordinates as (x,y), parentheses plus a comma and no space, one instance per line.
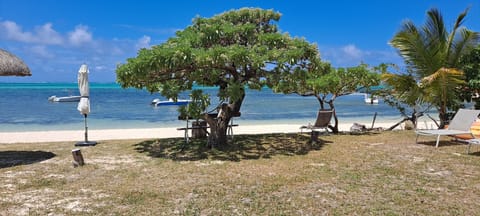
(25,107)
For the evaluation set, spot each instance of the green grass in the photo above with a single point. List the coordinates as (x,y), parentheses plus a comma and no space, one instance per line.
(273,174)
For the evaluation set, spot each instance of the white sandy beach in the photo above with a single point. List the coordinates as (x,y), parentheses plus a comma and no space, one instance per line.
(145,133)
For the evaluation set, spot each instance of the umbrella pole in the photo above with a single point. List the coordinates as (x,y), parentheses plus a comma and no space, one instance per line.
(86,142)
(86,128)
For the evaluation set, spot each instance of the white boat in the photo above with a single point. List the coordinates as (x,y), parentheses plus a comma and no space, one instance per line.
(370,100)
(54,98)
(158,102)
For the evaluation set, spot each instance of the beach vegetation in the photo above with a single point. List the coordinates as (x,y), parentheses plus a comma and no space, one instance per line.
(432,56)
(471,69)
(326,84)
(231,51)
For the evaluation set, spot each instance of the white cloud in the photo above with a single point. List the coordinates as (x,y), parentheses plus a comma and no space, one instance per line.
(143,42)
(14,32)
(351,51)
(47,35)
(44,34)
(80,36)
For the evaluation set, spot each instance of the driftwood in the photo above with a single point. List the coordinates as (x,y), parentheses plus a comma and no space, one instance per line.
(397,124)
(78,158)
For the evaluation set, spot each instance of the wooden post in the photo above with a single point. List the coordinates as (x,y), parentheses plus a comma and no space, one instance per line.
(77,157)
(374,117)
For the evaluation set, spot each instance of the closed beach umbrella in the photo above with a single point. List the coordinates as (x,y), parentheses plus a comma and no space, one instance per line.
(84,104)
(11,65)
(83,87)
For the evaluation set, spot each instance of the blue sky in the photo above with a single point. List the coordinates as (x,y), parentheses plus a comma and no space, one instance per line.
(55,37)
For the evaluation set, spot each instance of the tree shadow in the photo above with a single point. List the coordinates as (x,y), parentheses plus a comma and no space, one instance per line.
(244,147)
(16,158)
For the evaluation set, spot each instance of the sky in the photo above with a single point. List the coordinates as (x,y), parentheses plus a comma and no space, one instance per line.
(55,37)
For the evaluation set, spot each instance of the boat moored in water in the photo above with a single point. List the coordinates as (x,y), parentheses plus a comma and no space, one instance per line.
(179,102)
(371,100)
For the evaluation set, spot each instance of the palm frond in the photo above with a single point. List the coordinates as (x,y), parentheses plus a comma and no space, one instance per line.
(452,37)
(434,28)
(462,44)
(446,76)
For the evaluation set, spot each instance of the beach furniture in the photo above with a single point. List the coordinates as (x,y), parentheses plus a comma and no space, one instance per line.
(460,124)
(323,120)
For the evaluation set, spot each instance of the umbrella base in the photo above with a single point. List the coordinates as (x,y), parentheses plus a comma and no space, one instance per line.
(86,143)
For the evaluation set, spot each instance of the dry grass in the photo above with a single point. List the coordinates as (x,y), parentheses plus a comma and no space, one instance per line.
(279,174)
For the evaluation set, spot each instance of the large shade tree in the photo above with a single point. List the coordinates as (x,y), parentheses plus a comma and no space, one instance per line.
(326,84)
(232,51)
(432,57)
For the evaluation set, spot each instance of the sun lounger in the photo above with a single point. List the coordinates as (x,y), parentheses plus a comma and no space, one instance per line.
(460,124)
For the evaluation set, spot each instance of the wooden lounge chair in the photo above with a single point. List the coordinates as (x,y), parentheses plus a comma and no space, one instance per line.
(323,121)
(460,124)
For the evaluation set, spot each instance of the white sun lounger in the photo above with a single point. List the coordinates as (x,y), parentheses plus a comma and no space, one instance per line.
(460,124)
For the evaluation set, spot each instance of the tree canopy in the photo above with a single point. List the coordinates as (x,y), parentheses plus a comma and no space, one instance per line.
(327,83)
(231,50)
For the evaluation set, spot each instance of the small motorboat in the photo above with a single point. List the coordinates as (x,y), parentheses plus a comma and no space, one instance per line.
(179,102)
(54,98)
(371,100)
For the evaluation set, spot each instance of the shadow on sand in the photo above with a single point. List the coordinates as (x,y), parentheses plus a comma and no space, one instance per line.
(15,158)
(244,147)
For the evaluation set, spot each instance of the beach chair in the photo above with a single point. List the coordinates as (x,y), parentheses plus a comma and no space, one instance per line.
(460,124)
(323,120)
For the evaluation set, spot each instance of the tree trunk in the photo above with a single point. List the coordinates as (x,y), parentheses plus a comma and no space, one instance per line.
(219,124)
(334,128)
(320,101)
(218,134)
(442,114)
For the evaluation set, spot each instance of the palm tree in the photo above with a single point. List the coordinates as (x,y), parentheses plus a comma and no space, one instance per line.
(432,55)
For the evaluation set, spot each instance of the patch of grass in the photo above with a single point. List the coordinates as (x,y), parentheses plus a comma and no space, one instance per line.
(43,183)
(271,174)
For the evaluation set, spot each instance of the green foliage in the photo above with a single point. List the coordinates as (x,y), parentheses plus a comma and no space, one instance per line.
(197,106)
(432,55)
(343,81)
(471,68)
(327,80)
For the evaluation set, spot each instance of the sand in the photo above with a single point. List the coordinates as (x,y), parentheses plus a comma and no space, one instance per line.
(144,133)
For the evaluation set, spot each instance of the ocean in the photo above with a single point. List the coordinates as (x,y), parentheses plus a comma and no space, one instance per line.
(25,107)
